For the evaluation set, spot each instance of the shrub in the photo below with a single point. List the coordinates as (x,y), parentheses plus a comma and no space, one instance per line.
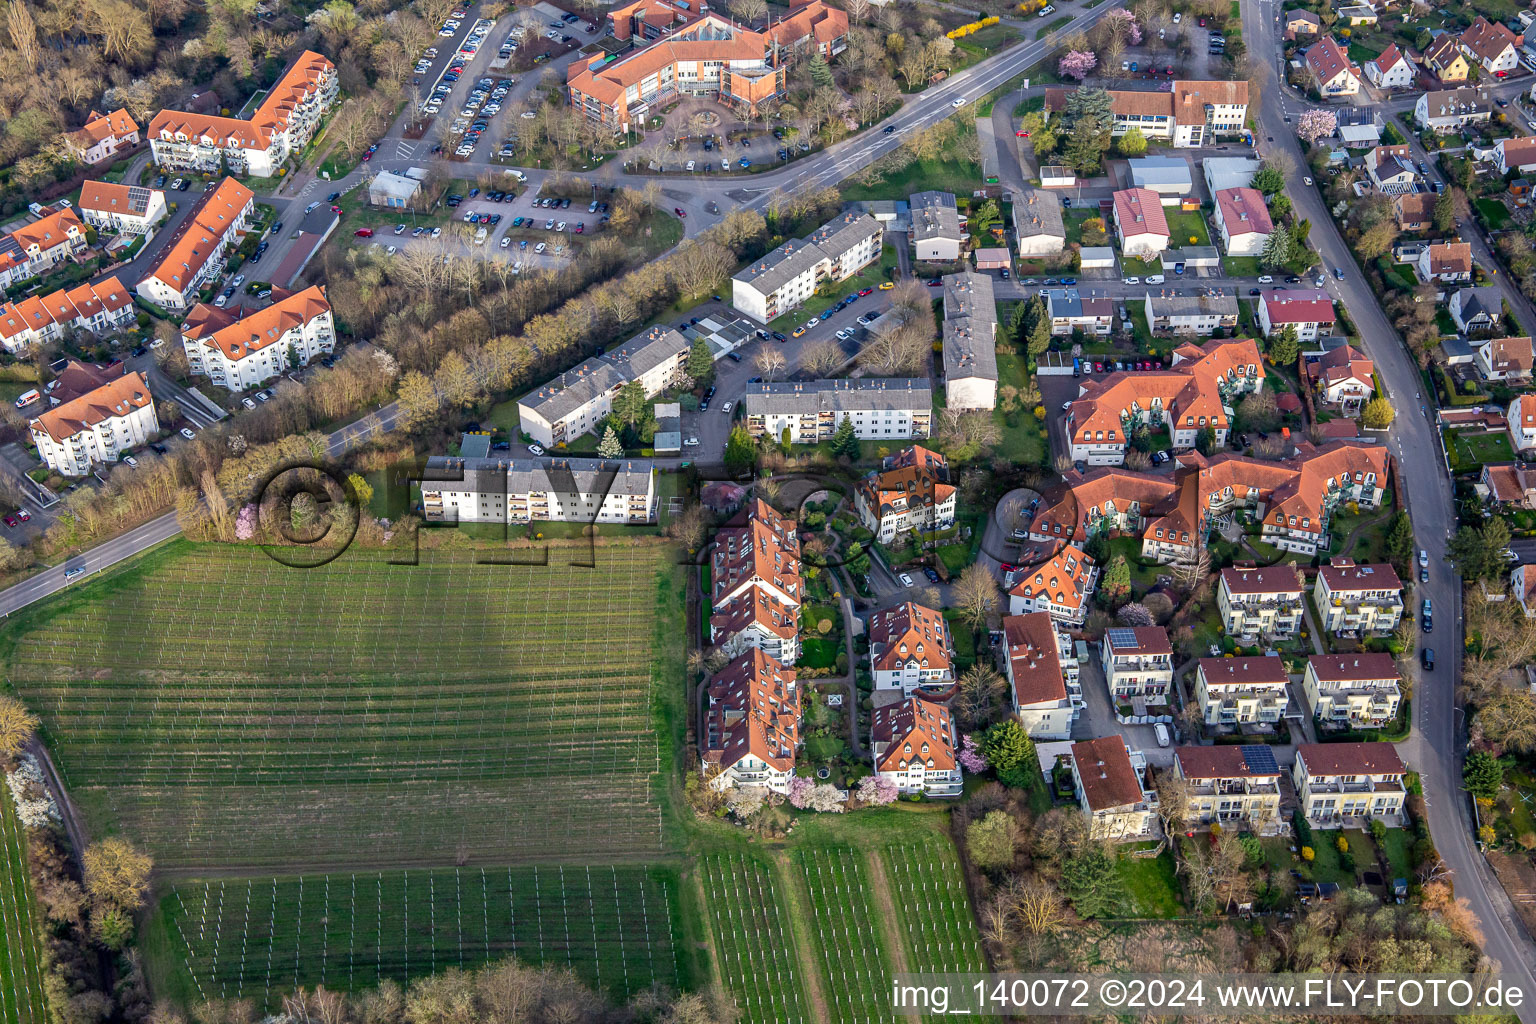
(1308,854)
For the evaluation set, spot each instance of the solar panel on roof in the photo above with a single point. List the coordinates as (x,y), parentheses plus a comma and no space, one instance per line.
(1122,639)
(1260,760)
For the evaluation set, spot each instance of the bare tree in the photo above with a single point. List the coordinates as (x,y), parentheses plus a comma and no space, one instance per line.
(770,360)
(976,595)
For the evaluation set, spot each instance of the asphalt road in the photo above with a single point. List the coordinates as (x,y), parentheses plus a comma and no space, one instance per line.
(1434,747)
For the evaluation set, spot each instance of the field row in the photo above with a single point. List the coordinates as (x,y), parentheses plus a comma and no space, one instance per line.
(616,927)
(21,979)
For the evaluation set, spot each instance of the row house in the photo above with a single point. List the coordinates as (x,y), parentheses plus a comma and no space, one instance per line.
(1506,360)
(1190,114)
(1309,310)
(910,649)
(756,589)
(1071,310)
(1358,599)
(970,341)
(198,252)
(244,353)
(1138,662)
(98,427)
(1443,111)
(1109,780)
(787,277)
(486,490)
(279,128)
(1358,691)
(1241,691)
(102,136)
(1341,785)
(911,493)
(121,209)
(1260,602)
(574,403)
(751,729)
(878,408)
(913,747)
(1043,673)
(100,308)
(1060,586)
(1230,785)
(1208,311)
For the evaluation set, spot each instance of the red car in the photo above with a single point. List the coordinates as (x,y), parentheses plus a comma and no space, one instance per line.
(364,232)
(367,156)
(1021,133)
(679,211)
(866,291)
(23,515)
(581,228)
(12,521)
(1202,23)
(335,209)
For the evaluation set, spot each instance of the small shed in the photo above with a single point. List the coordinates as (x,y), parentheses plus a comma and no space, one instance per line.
(992,258)
(1057,176)
(1098,257)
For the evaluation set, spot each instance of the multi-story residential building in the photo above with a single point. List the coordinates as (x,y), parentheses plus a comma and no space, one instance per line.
(1188,397)
(1443,58)
(811,27)
(1358,599)
(752,727)
(1243,220)
(1241,691)
(248,352)
(1109,779)
(1355,690)
(1445,262)
(1190,115)
(1060,586)
(911,492)
(1138,662)
(103,136)
(1038,226)
(1043,672)
(1450,110)
(1491,45)
(785,278)
(970,341)
(757,618)
(195,255)
(1140,224)
(909,649)
(1263,602)
(1343,378)
(280,127)
(1521,423)
(1070,310)
(1230,784)
(517,490)
(938,230)
(913,744)
(1522,587)
(1309,310)
(1390,169)
(121,209)
(54,238)
(97,427)
(1390,69)
(880,408)
(757,548)
(574,403)
(1477,309)
(1508,483)
(98,308)
(1207,311)
(1331,70)
(1506,360)
(1343,784)
(1515,154)
(1414,211)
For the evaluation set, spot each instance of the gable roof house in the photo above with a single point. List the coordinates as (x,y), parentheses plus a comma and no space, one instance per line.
(1043,671)
(1491,45)
(1507,483)
(1505,359)
(100,307)
(1060,585)
(910,492)
(913,744)
(1140,223)
(1331,70)
(196,253)
(121,209)
(909,649)
(1521,423)
(1301,23)
(1189,115)
(1038,226)
(1445,262)
(1211,310)
(1390,169)
(1477,309)
(1243,220)
(1343,377)
(1449,110)
(1414,211)
(1108,780)
(938,231)
(1518,155)
(103,136)
(1444,59)
(752,727)
(1390,70)
(970,341)
(1310,310)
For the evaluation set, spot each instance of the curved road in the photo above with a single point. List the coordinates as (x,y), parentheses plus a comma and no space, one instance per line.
(1434,747)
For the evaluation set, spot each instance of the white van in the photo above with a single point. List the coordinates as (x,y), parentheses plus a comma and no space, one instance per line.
(27,398)
(1161,731)
(312,207)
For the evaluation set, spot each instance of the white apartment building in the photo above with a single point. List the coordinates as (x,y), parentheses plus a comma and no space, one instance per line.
(1360,691)
(1138,662)
(1060,586)
(103,136)
(1359,600)
(97,427)
(911,492)
(458,490)
(98,308)
(241,354)
(1521,423)
(913,744)
(121,209)
(1190,114)
(909,649)
(574,403)
(1343,784)
(880,408)
(1043,672)
(970,341)
(785,278)
(1263,602)
(1241,691)
(1230,784)
(197,252)
(280,127)
(1204,313)
(1310,310)
(757,618)
(938,230)
(751,729)
(1109,779)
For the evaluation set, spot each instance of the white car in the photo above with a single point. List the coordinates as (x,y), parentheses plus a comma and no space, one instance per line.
(187,433)
(506,241)
(535,449)
(691,442)
(528,115)
(1177,17)
(726,408)
(1130,280)
(844,334)
(813,321)
(391,250)
(1065,406)
(1423,559)
(247,403)
(690,166)
(238,281)
(905,580)
(1155,279)
(1306,181)
(1266,279)
(958,101)
(540,247)
(437,232)
(1047,9)
(130,462)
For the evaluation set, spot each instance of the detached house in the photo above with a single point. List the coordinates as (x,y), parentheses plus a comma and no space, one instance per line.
(1071,310)
(1263,602)
(1522,587)
(909,649)
(1301,23)
(1505,360)
(938,230)
(1359,599)
(911,493)
(1414,211)
(752,726)
(1477,309)
(1108,778)
(1309,310)
(913,744)
(1243,220)
(1242,691)
(1043,672)
(1138,662)
(1508,484)
(1359,691)
(1059,586)
(1451,110)
(1038,226)
(103,137)
(1446,262)
(1343,378)
(1140,223)
(1390,169)
(1515,155)
(1343,784)
(1521,424)
(1491,45)
(1230,784)
(1331,69)
(1391,70)
(1443,58)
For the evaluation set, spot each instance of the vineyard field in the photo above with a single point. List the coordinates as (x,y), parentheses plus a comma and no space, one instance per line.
(21,978)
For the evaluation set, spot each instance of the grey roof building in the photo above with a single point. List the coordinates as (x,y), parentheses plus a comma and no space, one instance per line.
(522,490)
(970,341)
(1200,313)
(1165,175)
(773,271)
(1038,223)
(936,232)
(583,383)
(878,407)
(645,352)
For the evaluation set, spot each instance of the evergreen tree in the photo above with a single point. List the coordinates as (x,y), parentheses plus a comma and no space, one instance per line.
(701,364)
(1283,348)
(629,404)
(1018,322)
(1011,752)
(1278,248)
(1115,585)
(1039,327)
(1482,775)
(1445,212)
(1400,542)
(845,443)
(1205,441)
(1091,882)
(1268,179)
(609,447)
(740,451)
(821,74)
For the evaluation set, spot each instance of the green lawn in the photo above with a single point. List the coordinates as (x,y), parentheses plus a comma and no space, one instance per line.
(1152,885)
(1182,224)
(1023,440)
(1360,53)
(1493,212)
(1473,450)
(818,652)
(1143,576)
(1397,274)
(942,173)
(1072,222)
(1241,266)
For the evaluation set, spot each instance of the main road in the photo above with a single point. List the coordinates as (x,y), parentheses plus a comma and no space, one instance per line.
(1434,747)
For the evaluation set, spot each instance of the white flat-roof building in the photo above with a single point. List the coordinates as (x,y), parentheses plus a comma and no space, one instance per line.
(784,279)
(880,408)
(456,490)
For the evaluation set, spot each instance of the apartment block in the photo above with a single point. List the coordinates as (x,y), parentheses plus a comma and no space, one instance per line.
(1342,785)
(97,427)
(575,402)
(1263,602)
(880,408)
(751,729)
(196,254)
(1138,662)
(1360,691)
(244,353)
(1358,600)
(484,490)
(910,649)
(913,746)
(785,278)
(1241,691)
(1230,785)
(911,492)
(1042,671)
(1109,779)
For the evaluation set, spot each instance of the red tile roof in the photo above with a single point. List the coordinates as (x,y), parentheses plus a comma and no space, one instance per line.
(1269,579)
(915,731)
(1034,658)
(1350,759)
(1255,671)
(1063,580)
(267,326)
(1243,211)
(906,634)
(1223,762)
(1326,60)
(1147,640)
(1343,575)
(754,710)
(1139,211)
(1352,668)
(115,398)
(1104,768)
(1299,306)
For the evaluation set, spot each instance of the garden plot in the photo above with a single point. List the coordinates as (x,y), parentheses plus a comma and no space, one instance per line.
(936,924)
(757,958)
(21,979)
(260,938)
(856,975)
(226,711)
